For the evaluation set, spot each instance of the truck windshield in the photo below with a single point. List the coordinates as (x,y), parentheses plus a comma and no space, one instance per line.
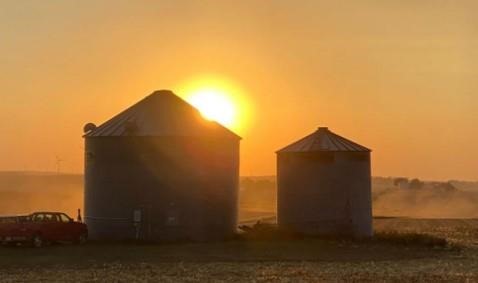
(64,218)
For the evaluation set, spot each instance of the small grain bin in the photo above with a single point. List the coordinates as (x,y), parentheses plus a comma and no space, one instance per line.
(160,171)
(324,186)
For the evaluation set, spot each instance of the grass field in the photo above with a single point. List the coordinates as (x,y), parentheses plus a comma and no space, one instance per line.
(325,260)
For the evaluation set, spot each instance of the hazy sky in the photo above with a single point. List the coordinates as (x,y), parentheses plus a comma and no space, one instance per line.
(398,76)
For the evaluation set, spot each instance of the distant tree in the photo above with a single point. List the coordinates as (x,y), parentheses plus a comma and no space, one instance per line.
(444,186)
(416,184)
(401,182)
(449,186)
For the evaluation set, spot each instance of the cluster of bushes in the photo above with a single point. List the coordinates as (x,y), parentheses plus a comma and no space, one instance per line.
(410,239)
(267,231)
(417,184)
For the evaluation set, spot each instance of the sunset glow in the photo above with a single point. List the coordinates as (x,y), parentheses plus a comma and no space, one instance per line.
(384,73)
(214,105)
(238,141)
(218,100)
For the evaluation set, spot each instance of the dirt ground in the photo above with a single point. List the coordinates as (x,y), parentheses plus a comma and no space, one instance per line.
(306,260)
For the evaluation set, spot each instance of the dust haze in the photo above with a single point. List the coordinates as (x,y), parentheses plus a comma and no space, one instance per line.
(424,199)
(391,196)
(25,192)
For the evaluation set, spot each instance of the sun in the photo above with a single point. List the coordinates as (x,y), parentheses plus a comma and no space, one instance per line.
(214,105)
(218,99)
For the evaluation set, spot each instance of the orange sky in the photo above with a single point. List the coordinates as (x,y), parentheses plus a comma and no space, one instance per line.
(396,76)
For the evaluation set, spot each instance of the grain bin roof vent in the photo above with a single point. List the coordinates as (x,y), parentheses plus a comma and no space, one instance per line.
(89,127)
(323,140)
(160,114)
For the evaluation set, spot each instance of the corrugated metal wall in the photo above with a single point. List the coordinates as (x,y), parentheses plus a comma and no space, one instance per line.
(185,188)
(325,193)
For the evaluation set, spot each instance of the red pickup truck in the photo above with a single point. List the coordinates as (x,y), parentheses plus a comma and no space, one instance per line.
(40,228)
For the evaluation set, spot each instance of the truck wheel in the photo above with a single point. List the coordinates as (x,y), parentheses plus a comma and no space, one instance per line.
(37,241)
(82,239)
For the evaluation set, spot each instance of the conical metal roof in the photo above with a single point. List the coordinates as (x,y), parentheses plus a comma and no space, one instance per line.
(160,114)
(323,140)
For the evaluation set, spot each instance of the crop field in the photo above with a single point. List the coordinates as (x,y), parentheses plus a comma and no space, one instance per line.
(293,260)
(409,256)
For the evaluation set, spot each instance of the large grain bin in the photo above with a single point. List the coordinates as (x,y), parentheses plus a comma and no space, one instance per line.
(160,171)
(324,186)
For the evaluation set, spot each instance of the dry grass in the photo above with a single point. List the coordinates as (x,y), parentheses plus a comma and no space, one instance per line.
(411,239)
(390,271)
